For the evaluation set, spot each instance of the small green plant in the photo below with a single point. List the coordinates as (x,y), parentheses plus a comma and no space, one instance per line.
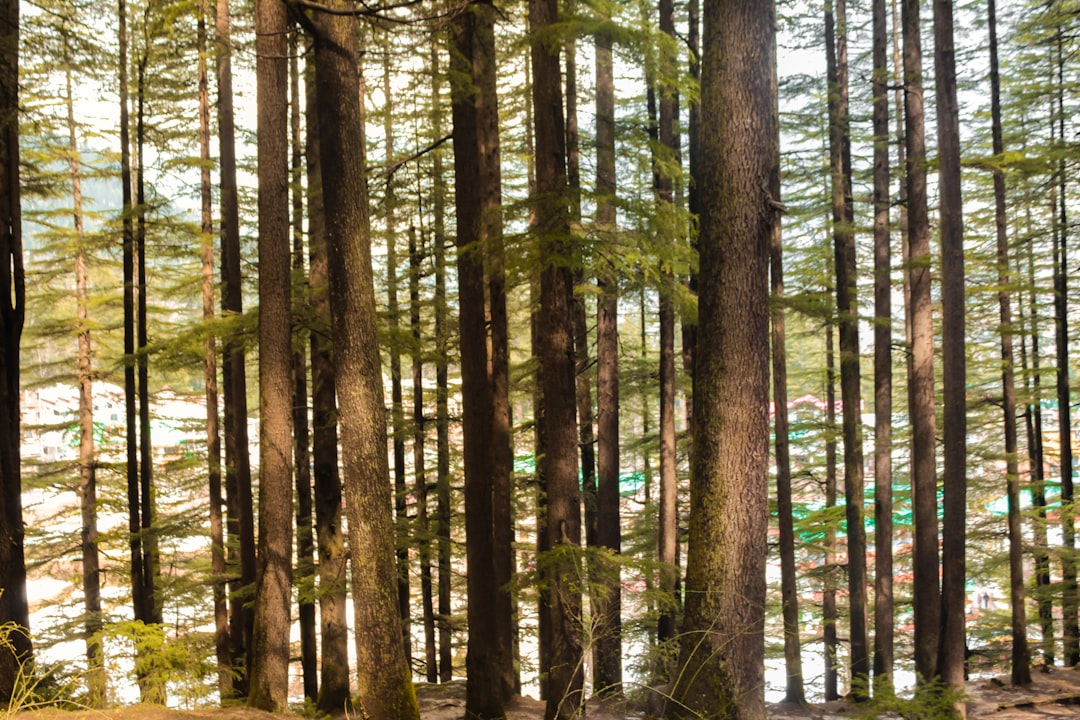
(31,687)
(930,701)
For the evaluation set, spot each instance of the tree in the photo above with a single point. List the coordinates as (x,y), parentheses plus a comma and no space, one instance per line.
(273,578)
(721,653)
(385,687)
(927,599)
(1021,661)
(13,602)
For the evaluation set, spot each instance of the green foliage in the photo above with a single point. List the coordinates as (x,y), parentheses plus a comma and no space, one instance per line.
(182,665)
(930,701)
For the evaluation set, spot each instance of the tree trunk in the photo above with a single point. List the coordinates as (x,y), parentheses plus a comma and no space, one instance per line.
(789,591)
(883,475)
(305,550)
(13,604)
(269,650)
(927,598)
(484,696)
(668,518)
(385,686)
(608,621)
(559,566)
(213,429)
(442,409)
(843,212)
(1070,600)
(1021,659)
(333,557)
(721,664)
(828,599)
(241,517)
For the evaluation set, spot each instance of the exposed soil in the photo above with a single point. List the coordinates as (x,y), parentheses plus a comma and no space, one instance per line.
(1053,694)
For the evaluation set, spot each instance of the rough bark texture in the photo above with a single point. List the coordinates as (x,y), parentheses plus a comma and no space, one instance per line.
(883,503)
(560,566)
(608,657)
(843,215)
(927,598)
(269,665)
(13,607)
(1021,656)
(721,664)
(241,518)
(213,426)
(385,688)
(484,695)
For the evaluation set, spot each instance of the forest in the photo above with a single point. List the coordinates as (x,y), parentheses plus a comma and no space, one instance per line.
(694,353)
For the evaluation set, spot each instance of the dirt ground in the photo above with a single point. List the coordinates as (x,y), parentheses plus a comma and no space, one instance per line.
(1053,694)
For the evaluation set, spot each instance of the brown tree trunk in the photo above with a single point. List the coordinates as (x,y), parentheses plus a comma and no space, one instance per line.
(560,566)
(951,657)
(213,428)
(241,517)
(927,598)
(305,549)
(1021,658)
(883,476)
(828,600)
(843,212)
(608,621)
(442,409)
(385,686)
(484,696)
(269,650)
(13,604)
(333,557)
(721,664)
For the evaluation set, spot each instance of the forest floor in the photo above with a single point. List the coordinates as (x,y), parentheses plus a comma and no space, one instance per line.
(1053,694)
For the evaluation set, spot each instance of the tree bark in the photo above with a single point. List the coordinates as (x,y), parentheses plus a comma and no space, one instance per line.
(927,598)
(828,599)
(269,650)
(721,664)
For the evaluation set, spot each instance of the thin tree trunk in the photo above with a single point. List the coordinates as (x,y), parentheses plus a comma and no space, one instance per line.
(333,557)
(385,687)
(442,410)
(423,540)
(96,682)
(608,676)
(213,429)
(241,516)
(305,549)
(883,475)
(1021,660)
(927,598)
(828,600)
(269,649)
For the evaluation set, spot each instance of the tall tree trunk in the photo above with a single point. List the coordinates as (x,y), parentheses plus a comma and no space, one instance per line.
(333,557)
(927,598)
(608,620)
(883,475)
(13,604)
(385,686)
(442,409)
(305,549)
(1070,600)
(721,664)
(828,598)
(87,492)
(416,253)
(794,691)
(1021,659)
(843,209)
(560,567)
(397,412)
(241,516)
(484,696)
(951,658)
(213,428)
(269,649)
